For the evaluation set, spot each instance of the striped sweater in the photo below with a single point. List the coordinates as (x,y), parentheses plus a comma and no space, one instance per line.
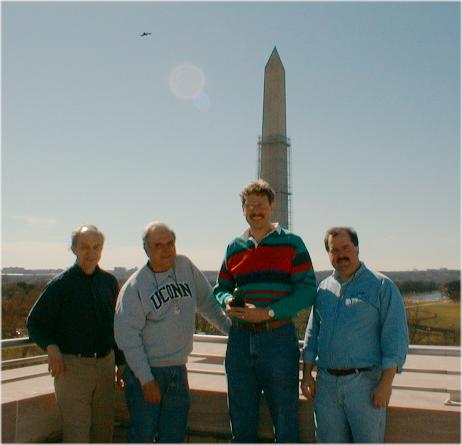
(276,273)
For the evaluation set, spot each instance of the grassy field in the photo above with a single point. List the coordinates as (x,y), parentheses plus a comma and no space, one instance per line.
(438,315)
(434,323)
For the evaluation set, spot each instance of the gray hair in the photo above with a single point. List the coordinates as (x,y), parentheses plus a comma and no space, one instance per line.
(152,227)
(84,228)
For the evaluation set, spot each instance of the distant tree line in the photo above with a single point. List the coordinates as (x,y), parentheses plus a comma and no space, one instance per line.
(19,297)
(452,290)
(17,300)
(417,287)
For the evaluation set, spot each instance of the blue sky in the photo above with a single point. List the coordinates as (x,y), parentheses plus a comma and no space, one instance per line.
(96,129)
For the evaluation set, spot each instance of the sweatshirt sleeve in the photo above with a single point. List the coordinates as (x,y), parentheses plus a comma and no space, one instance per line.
(207,305)
(44,315)
(303,284)
(129,322)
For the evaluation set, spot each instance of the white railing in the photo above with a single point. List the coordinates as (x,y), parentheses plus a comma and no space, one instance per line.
(442,351)
(447,351)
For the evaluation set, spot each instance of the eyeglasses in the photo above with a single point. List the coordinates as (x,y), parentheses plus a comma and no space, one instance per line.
(256,206)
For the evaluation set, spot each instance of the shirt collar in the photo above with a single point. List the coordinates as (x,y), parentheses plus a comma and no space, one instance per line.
(276,228)
(360,270)
(148,265)
(78,270)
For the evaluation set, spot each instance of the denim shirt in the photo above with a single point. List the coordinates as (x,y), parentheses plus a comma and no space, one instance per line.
(357,324)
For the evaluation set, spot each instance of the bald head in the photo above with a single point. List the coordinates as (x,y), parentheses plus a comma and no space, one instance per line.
(155,227)
(87,229)
(159,245)
(87,244)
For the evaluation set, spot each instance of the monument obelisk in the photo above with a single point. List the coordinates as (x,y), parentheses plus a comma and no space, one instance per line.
(274,144)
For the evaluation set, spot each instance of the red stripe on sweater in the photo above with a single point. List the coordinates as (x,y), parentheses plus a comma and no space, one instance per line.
(259,300)
(225,276)
(302,268)
(261,258)
(270,292)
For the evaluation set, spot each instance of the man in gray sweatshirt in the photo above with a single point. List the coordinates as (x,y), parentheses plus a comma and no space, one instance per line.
(154,326)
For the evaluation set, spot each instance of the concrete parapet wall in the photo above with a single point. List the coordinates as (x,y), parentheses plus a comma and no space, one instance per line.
(36,419)
(418,411)
(405,425)
(32,420)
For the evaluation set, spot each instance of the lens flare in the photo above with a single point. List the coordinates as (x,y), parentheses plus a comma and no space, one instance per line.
(201,101)
(186,81)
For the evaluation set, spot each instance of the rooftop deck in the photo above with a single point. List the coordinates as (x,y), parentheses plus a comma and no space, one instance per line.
(424,407)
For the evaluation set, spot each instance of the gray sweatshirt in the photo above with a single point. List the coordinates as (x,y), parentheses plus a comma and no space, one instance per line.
(155,316)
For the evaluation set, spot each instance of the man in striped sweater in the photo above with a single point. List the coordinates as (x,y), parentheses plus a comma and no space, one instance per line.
(270,269)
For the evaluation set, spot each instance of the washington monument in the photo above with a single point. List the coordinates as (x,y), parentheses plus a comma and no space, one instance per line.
(274,144)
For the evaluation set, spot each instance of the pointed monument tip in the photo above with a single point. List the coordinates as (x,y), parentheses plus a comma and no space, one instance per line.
(274,54)
(274,57)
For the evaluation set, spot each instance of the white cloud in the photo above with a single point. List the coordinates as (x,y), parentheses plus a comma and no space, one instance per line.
(35,220)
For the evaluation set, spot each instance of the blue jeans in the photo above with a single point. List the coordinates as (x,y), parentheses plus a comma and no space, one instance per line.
(165,422)
(268,362)
(344,411)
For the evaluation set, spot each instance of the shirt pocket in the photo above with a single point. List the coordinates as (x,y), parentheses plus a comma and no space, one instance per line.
(325,306)
(360,307)
(106,303)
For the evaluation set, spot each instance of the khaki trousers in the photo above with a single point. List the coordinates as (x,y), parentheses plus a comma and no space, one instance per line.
(85,395)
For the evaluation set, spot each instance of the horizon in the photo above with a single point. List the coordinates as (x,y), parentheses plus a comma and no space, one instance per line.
(217,270)
(102,126)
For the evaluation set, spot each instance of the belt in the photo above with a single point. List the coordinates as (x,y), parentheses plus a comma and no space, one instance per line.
(256,328)
(94,354)
(341,372)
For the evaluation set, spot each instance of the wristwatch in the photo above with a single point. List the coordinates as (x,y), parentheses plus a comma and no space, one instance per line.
(271,313)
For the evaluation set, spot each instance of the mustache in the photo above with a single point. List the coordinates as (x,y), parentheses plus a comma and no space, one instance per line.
(253,215)
(343,258)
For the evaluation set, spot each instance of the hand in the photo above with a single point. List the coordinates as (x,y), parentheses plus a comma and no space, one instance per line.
(249,313)
(381,395)
(308,386)
(55,361)
(119,377)
(151,392)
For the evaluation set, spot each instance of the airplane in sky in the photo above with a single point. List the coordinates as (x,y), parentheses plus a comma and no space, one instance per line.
(145,34)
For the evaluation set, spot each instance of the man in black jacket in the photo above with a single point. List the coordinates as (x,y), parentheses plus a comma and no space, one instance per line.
(73,320)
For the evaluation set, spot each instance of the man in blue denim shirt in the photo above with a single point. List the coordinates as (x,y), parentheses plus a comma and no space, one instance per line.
(357,336)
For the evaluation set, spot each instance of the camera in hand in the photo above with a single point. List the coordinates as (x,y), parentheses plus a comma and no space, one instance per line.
(238,299)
